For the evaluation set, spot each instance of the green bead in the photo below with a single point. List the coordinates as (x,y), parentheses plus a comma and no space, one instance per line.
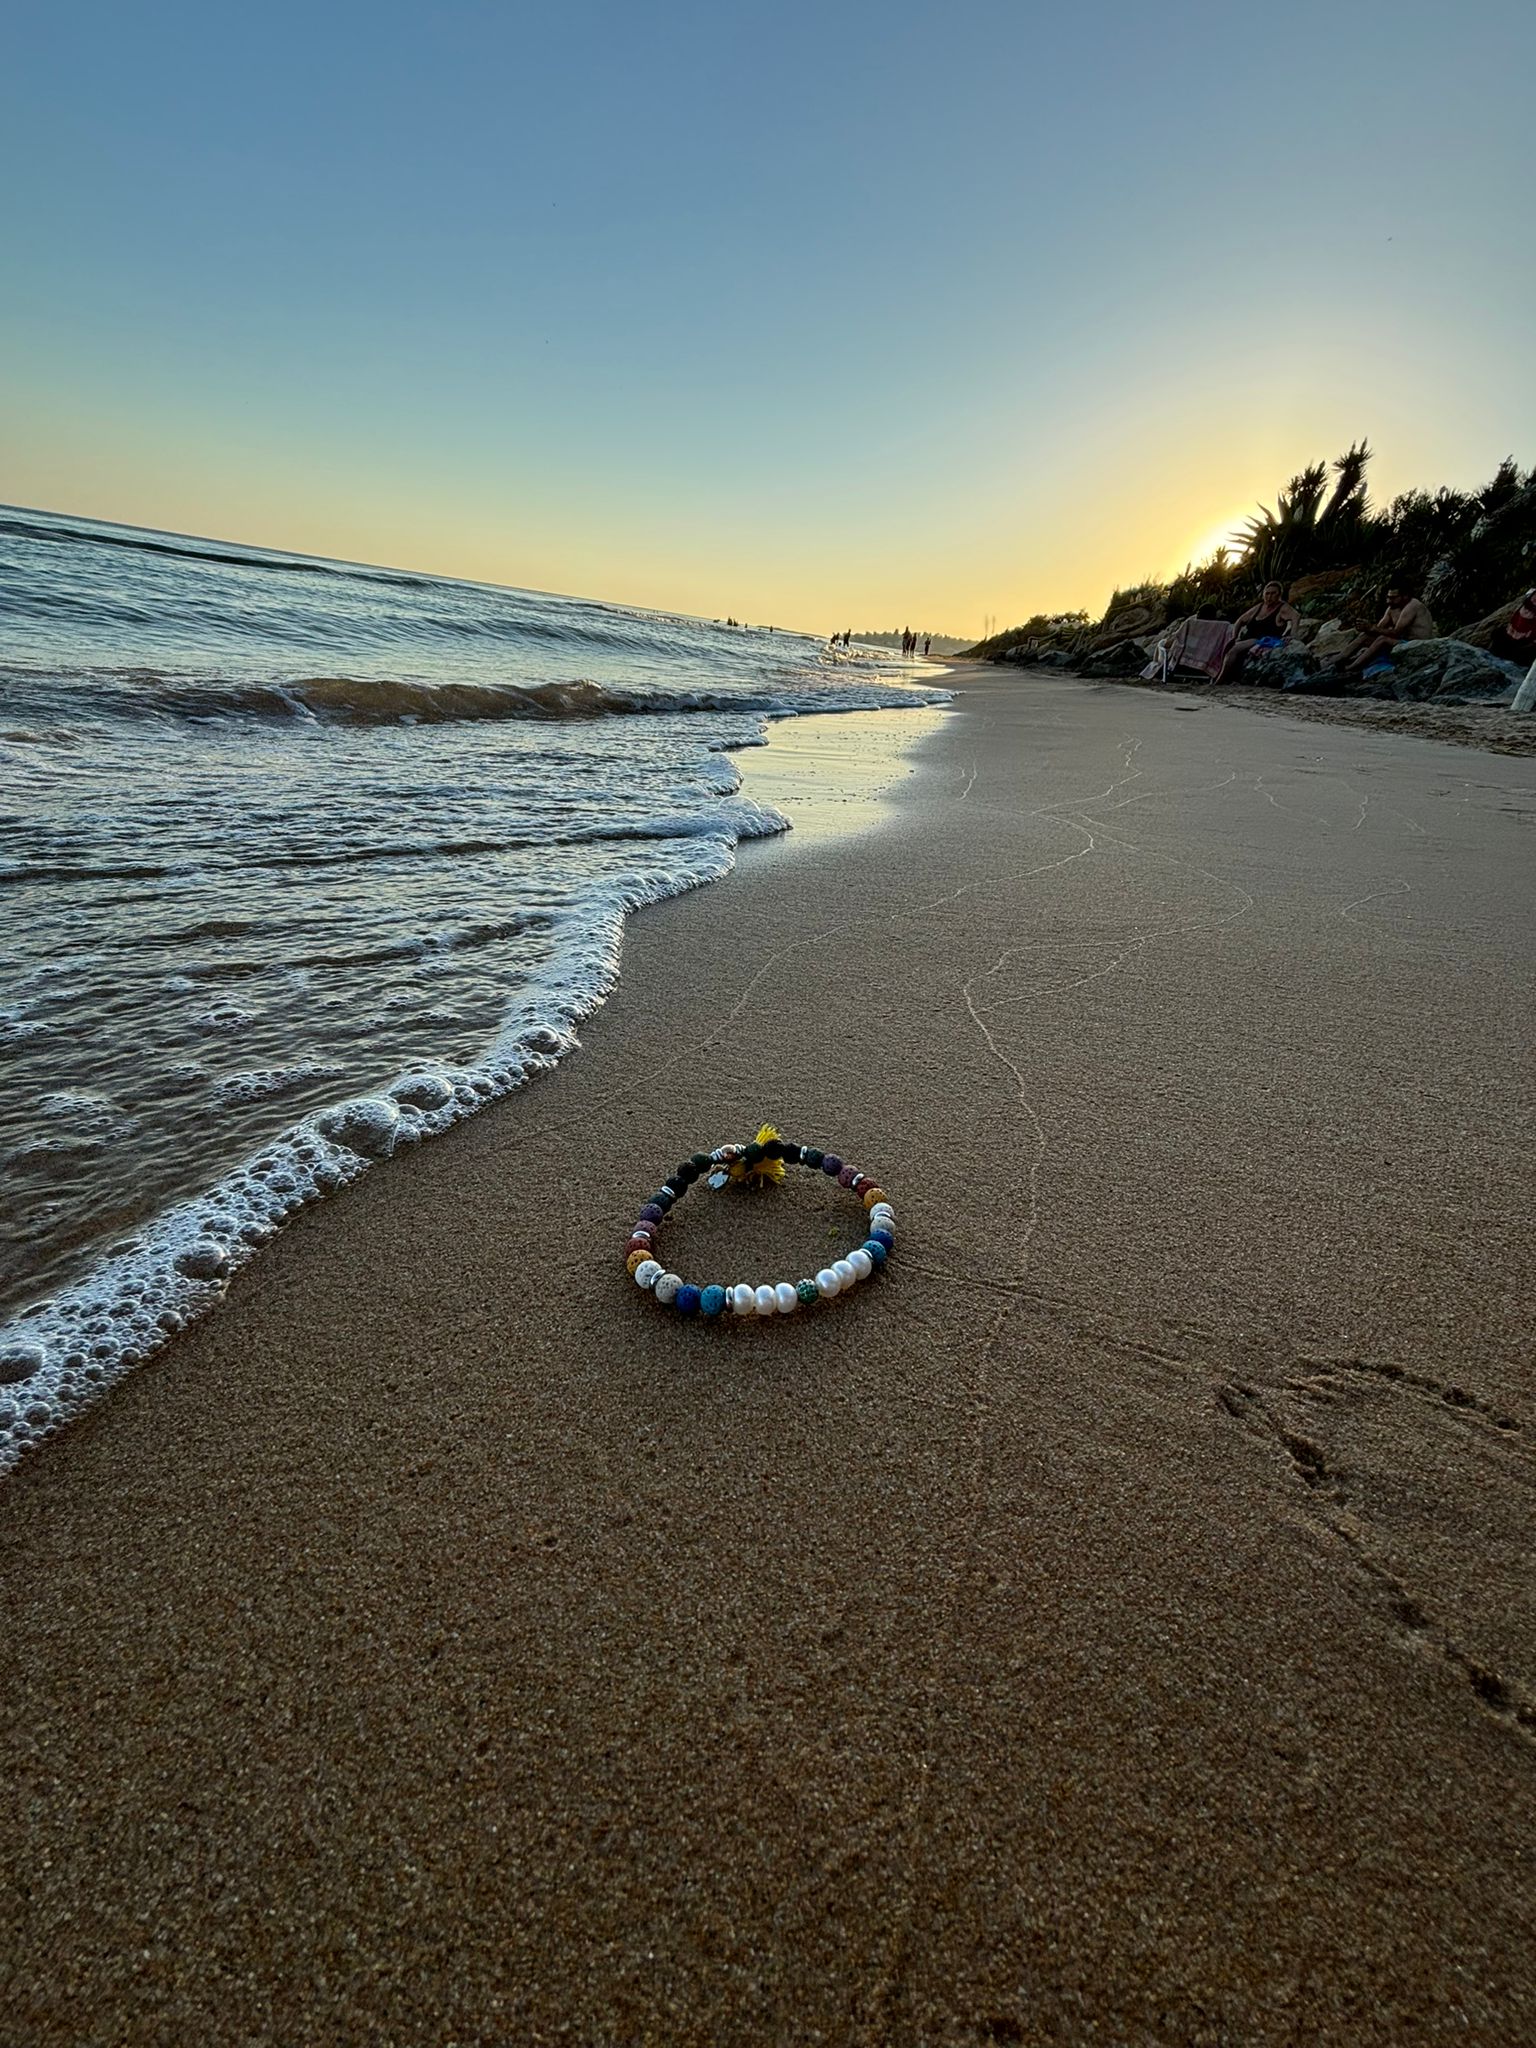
(806,1289)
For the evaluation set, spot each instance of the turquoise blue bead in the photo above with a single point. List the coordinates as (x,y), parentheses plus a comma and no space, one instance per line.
(711,1301)
(883,1238)
(877,1250)
(688,1300)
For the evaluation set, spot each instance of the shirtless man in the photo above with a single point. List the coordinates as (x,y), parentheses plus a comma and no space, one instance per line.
(1270,620)
(1405,618)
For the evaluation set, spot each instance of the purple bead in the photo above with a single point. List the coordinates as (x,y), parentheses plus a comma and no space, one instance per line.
(831,1164)
(846,1178)
(651,1213)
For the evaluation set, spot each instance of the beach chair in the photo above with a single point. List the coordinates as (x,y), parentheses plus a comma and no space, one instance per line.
(1192,644)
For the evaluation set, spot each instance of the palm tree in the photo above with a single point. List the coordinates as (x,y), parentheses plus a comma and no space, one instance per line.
(1303,532)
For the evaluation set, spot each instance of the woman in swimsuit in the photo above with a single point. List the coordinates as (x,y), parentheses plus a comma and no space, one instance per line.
(1267,623)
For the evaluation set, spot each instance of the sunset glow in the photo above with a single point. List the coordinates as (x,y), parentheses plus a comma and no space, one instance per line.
(813,327)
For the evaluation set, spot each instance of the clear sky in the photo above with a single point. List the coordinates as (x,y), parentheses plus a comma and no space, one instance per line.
(813,311)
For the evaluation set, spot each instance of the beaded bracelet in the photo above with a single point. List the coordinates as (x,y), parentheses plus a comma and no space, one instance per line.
(763,1160)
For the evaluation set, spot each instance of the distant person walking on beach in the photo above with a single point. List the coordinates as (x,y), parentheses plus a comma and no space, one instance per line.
(1405,618)
(927,643)
(1269,623)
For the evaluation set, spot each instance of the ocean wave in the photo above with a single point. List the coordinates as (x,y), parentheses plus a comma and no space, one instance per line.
(383,700)
(187,548)
(744,820)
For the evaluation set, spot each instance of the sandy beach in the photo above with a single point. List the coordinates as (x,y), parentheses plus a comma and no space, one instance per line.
(1115,1624)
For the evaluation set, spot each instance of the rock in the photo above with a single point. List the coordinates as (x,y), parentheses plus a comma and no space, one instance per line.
(1125,658)
(1452,672)
(1131,620)
(19,1360)
(205,1260)
(369,1125)
(422,1091)
(1333,640)
(1281,668)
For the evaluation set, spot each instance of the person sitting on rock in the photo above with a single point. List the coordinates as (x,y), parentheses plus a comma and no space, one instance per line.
(1405,618)
(1269,623)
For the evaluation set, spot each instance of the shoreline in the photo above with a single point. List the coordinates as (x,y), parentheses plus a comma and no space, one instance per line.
(1088,1627)
(91,1332)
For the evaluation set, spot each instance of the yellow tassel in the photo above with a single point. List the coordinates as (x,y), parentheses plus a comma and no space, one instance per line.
(766,1169)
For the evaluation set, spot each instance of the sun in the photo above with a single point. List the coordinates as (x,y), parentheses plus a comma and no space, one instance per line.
(1224,535)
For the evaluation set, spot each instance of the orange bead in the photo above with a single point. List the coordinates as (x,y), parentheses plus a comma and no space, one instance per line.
(873,1195)
(638,1259)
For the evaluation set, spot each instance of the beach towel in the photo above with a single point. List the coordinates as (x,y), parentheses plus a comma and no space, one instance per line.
(1193,643)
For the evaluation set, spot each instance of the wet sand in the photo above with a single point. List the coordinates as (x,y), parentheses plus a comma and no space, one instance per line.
(1114,1624)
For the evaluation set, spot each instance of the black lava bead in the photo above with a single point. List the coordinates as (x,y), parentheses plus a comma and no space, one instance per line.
(753,1155)
(774,1149)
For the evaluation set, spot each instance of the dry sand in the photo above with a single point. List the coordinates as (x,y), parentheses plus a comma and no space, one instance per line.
(1114,1625)
(1494,726)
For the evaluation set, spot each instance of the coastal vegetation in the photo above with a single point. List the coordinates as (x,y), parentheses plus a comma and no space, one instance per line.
(1470,554)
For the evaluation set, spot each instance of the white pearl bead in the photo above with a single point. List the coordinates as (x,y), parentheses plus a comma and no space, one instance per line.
(648,1272)
(666,1286)
(827,1282)
(785,1295)
(743,1300)
(861,1263)
(845,1273)
(767,1301)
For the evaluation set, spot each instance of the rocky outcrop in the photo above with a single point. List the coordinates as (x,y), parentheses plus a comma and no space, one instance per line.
(1045,657)
(1281,668)
(1132,621)
(1453,672)
(1123,658)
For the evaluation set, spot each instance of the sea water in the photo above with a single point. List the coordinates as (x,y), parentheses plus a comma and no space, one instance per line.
(300,862)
